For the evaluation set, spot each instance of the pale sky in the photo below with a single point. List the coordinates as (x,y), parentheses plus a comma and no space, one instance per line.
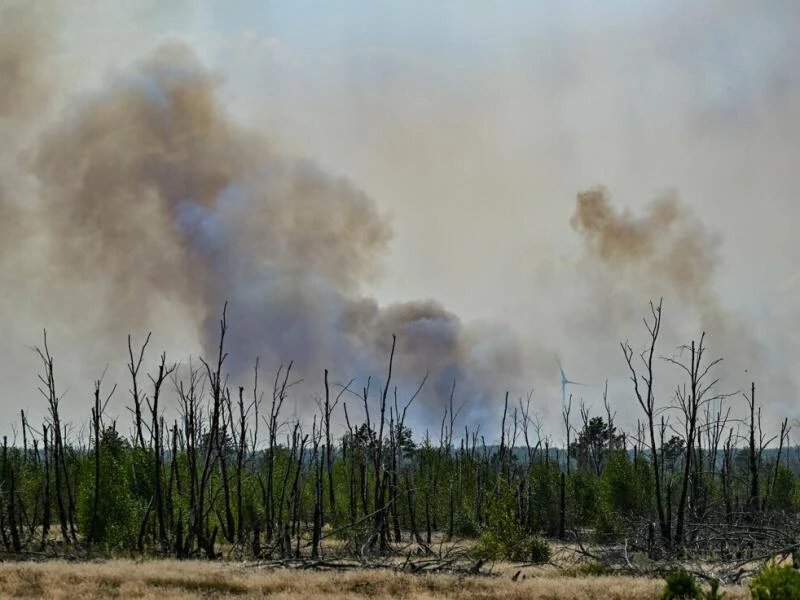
(473,125)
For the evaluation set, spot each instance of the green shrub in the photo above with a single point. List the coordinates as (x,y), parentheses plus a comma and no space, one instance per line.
(464,525)
(776,583)
(537,549)
(490,547)
(119,510)
(529,548)
(681,585)
(505,538)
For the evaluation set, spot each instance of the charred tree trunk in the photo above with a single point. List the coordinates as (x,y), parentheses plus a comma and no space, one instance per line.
(329,448)
(156,443)
(134,365)
(46,500)
(318,465)
(210,450)
(228,524)
(241,448)
(278,398)
(646,400)
(752,455)
(96,414)
(11,510)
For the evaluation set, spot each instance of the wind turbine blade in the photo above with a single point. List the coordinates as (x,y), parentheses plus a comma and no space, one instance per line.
(560,368)
(577,383)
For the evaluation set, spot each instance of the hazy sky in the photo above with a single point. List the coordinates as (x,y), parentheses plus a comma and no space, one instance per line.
(472,126)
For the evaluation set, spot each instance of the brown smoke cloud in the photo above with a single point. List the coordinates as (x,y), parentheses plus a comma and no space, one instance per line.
(144,199)
(150,193)
(664,252)
(113,171)
(25,92)
(24,47)
(667,245)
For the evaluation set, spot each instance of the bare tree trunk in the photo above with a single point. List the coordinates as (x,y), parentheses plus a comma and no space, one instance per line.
(134,365)
(412,510)
(241,448)
(49,392)
(278,398)
(647,402)
(690,401)
(97,417)
(173,482)
(562,512)
(393,485)
(381,522)
(211,445)
(317,464)
(295,496)
(783,434)
(70,490)
(727,477)
(752,455)
(188,398)
(329,447)
(156,443)
(11,511)
(228,525)
(282,528)
(46,500)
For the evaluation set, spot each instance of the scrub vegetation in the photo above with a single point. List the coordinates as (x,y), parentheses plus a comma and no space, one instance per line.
(233,478)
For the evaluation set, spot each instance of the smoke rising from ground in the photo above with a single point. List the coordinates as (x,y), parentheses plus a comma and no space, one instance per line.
(666,252)
(316,177)
(149,189)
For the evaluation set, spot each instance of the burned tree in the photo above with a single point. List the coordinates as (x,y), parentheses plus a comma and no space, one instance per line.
(691,399)
(646,399)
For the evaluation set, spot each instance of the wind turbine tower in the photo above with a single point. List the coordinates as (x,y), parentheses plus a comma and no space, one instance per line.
(565,381)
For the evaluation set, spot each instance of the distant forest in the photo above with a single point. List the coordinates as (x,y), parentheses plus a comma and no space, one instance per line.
(232,476)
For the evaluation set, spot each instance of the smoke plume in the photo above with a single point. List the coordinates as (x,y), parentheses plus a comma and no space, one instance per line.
(23,51)
(665,252)
(150,192)
(666,246)
(139,196)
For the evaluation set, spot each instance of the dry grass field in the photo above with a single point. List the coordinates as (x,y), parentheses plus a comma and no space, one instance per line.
(173,579)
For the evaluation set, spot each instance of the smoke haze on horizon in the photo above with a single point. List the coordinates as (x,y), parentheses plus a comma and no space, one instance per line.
(340,183)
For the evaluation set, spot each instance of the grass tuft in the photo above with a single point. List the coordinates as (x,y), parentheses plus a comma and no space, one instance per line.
(185,580)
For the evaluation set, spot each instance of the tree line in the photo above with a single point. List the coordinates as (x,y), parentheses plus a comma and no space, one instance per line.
(233,475)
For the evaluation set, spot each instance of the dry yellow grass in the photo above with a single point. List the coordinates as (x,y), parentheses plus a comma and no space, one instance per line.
(173,579)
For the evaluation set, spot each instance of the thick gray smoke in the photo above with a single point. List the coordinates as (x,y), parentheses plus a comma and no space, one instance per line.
(143,197)
(150,188)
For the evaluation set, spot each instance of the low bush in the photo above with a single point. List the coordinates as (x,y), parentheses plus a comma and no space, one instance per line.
(776,583)
(530,548)
(505,538)
(681,585)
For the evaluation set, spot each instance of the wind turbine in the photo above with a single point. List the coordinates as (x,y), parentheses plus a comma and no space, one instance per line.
(565,408)
(565,381)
